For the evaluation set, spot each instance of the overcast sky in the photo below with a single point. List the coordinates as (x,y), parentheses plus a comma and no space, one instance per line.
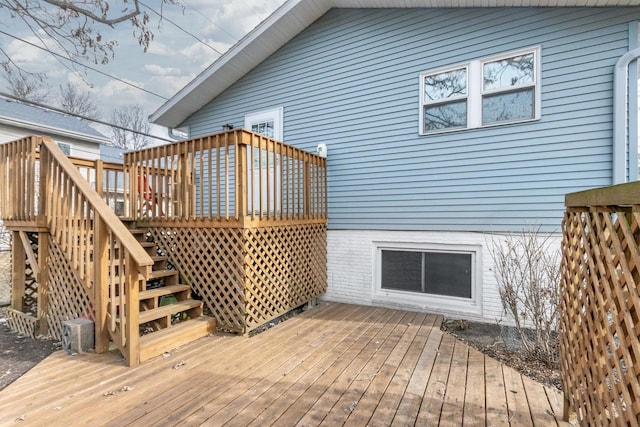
(172,60)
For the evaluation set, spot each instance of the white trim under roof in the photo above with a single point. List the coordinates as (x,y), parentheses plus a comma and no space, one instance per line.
(288,21)
(23,124)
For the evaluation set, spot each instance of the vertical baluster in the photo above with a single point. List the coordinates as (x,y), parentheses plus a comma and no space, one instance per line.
(218,172)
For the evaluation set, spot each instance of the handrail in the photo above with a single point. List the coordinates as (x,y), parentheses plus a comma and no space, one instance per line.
(98,246)
(627,194)
(119,230)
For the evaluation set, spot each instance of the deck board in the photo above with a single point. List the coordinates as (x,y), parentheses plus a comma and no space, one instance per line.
(335,364)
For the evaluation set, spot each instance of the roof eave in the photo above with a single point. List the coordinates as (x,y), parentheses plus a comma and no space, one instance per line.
(53,130)
(251,50)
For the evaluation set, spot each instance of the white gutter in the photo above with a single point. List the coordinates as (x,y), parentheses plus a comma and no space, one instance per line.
(620,113)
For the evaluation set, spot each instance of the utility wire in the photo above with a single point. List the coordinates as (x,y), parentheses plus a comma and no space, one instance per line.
(235,38)
(84,65)
(80,116)
(180,28)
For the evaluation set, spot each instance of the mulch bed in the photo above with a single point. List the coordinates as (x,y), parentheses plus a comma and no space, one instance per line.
(487,339)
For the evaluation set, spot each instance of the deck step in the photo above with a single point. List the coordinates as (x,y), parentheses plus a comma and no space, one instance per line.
(158,342)
(168,310)
(164,290)
(158,274)
(137,230)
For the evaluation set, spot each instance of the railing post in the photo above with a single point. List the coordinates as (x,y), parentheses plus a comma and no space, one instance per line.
(307,186)
(43,283)
(101,283)
(45,183)
(99,178)
(241,182)
(132,311)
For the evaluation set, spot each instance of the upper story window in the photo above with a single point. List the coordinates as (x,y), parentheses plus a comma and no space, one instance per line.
(485,92)
(267,123)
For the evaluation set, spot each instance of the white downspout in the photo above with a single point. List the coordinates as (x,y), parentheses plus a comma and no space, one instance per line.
(620,93)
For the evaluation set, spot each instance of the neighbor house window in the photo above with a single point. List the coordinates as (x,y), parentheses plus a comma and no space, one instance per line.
(66,148)
(484,92)
(435,275)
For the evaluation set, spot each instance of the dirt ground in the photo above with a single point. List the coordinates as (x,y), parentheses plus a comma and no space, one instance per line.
(19,353)
(487,338)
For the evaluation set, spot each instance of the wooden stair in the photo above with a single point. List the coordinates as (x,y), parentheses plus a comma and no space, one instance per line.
(168,316)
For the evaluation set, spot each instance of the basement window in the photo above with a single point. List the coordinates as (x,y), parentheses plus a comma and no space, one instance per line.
(433,276)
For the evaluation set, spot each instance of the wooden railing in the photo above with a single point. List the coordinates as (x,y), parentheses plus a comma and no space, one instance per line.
(231,177)
(18,167)
(600,305)
(109,180)
(102,253)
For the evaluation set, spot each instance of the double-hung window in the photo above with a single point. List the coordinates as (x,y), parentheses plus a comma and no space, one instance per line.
(484,92)
(445,102)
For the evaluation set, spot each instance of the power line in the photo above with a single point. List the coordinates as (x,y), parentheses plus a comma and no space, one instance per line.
(80,116)
(84,65)
(235,38)
(181,29)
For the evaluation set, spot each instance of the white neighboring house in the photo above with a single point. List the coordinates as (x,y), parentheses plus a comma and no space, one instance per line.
(75,137)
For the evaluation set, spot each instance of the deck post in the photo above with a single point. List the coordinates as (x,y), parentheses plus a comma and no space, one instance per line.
(307,186)
(101,285)
(241,182)
(18,265)
(132,312)
(43,282)
(99,183)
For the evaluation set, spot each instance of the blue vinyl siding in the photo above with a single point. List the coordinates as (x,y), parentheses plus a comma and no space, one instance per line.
(350,80)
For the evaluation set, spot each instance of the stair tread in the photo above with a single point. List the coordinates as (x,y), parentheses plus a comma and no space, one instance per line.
(158,342)
(168,310)
(137,230)
(164,290)
(157,274)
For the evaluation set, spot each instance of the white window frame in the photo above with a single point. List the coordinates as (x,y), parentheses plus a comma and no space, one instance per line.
(274,114)
(438,303)
(475,91)
(424,102)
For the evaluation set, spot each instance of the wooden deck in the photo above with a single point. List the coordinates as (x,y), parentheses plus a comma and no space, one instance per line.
(332,365)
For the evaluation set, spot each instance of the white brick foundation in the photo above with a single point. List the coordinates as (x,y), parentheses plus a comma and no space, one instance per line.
(351,270)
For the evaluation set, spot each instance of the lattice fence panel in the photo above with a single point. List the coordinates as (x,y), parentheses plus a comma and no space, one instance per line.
(22,323)
(286,268)
(68,298)
(211,261)
(30,297)
(600,315)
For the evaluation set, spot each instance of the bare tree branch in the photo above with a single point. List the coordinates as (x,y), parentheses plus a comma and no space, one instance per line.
(130,117)
(65,5)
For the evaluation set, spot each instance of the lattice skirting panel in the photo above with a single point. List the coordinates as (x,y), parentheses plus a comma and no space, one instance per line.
(600,316)
(286,267)
(30,297)
(67,297)
(247,277)
(22,323)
